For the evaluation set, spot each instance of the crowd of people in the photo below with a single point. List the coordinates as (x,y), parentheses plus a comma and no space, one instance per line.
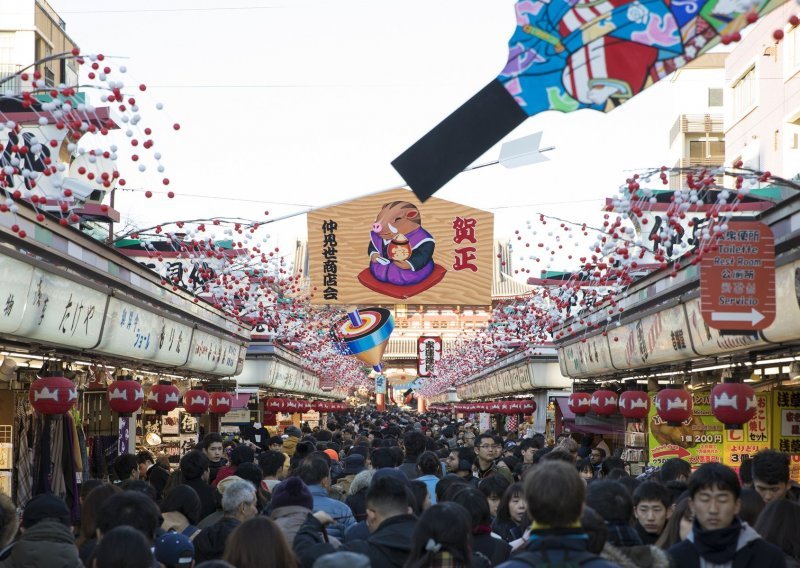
(389,489)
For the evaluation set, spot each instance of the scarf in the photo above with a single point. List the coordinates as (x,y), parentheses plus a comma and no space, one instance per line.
(717,546)
(482,529)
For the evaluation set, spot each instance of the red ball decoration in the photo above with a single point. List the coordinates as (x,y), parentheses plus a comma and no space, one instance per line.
(634,404)
(604,402)
(196,402)
(125,397)
(580,403)
(54,394)
(674,405)
(163,398)
(733,404)
(220,402)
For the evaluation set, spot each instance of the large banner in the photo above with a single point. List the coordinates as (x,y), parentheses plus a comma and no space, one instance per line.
(786,426)
(752,438)
(697,440)
(390,248)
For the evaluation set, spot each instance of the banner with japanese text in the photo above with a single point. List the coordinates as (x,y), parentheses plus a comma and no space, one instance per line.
(697,440)
(786,427)
(744,443)
(390,248)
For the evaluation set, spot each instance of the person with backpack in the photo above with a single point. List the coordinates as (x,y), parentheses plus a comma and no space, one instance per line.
(556,537)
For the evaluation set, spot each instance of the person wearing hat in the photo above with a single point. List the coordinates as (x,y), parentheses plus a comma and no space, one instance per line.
(353,465)
(47,539)
(293,435)
(291,503)
(174,550)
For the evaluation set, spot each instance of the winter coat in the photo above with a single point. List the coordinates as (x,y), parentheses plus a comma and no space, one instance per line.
(410,469)
(210,543)
(214,467)
(289,445)
(174,521)
(388,546)
(751,551)
(641,556)
(341,513)
(157,476)
(358,504)
(290,519)
(495,549)
(222,473)
(206,493)
(561,545)
(47,544)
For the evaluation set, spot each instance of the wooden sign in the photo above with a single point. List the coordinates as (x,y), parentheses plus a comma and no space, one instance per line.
(389,247)
(737,279)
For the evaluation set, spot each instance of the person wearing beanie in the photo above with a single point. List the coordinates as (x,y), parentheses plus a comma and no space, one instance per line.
(46,539)
(291,503)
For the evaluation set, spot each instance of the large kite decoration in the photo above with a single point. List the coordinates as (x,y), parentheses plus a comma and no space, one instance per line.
(567,55)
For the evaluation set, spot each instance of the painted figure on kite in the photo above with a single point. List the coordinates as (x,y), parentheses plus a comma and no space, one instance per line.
(400,250)
(567,55)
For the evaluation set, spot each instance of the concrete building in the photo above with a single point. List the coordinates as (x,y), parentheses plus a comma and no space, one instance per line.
(762,92)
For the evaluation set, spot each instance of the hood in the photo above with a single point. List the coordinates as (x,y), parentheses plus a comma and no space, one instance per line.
(395,533)
(289,511)
(746,536)
(210,543)
(634,556)
(46,544)
(174,520)
(289,445)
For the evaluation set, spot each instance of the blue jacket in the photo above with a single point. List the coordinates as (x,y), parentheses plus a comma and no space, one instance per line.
(341,513)
(560,546)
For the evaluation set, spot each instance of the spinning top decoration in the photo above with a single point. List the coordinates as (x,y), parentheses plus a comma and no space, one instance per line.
(364,334)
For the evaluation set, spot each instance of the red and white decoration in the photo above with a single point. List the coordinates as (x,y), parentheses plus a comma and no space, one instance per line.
(634,404)
(53,394)
(163,398)
(674,405)
(733,404)
(604,402)
(220,402)
(580,403)
(125,397)
(429,352)
(196,402)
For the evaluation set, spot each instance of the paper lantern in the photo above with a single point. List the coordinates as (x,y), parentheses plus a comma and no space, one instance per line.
(674,405)
(580,403)
(733,404)
(220,402)
(503,407)
(291,405)
(274,405)
(195,402)
(125,397)
(604,402)
(163,398)
(634,404)
(54,394)
(528,407)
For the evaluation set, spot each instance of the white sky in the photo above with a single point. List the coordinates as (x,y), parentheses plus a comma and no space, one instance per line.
(308,102)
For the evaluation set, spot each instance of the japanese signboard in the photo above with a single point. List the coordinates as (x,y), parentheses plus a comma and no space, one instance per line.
(737,279)
(786,426)
(380,384)
(744,443)
(429,352)
(697,440)
(389,246)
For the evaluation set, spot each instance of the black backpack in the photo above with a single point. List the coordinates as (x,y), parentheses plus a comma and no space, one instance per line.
(540,558)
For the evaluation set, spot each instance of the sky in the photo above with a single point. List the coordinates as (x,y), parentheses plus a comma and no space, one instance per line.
(285,104)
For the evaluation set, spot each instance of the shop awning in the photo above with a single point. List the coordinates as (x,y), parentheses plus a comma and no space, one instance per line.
(588,424)
(563,406)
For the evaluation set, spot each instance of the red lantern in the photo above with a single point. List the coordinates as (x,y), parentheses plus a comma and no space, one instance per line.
(604,402)
(733,404)
(528,407)
(634,404)
(292,405)
(503,407)
(195,402)
(580,403)
(53,395)
(274,405)
(674,405)
(125,397)
(220,402)
(163,398)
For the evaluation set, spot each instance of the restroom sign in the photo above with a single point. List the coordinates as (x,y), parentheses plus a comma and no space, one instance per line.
(737,280)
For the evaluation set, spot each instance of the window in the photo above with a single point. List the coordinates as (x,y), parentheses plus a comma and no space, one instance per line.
(7,48)
(791,48)
(715,97)
(744,93)
(707,149)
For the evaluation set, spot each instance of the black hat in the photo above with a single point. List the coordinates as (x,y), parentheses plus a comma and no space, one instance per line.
(45,506)
(174,549)
(290,492)
(354,463)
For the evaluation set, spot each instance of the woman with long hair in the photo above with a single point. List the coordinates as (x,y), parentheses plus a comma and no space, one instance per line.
(678,526)
(512,514)
(779,524)
(181,511)
(87,534)
(247,546)
(442,538)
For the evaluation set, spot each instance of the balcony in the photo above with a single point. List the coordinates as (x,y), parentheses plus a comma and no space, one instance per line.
(696,123)
(8,81)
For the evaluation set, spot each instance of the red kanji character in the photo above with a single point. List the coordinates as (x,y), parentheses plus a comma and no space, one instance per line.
(463,257)
(465,230)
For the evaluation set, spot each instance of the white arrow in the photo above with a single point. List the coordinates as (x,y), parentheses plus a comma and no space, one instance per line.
(753,316)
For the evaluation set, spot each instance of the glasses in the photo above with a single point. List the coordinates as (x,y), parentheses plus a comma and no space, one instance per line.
(490,447)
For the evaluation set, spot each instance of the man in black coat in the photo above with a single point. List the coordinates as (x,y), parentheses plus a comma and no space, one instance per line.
(390,523)
(194,469)
(718,536)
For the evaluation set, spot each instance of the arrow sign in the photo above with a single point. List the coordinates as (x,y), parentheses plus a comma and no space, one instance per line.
(753,316)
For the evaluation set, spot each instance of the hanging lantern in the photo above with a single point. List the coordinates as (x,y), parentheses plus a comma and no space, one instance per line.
(125,397)
(634,404)
(503,407)
(292,405)
(674,405)
(604,402)
(316,405)
(195,402)
(274,405)
(580,403)
(220,402)
(733,404)
(528,407)
(163,397)
(54,394)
